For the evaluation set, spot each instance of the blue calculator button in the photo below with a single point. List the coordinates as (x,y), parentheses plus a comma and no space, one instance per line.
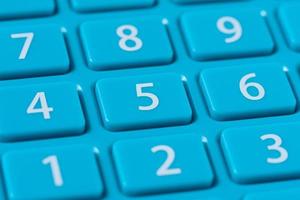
(40,111)
(32,51)
(195,1)
(292,194)
(262,153)
(143,102)
(96,5)
(289,16)
(29,8)
(162,164)
(52,173)
(247,91)
(126,43)
(226,34)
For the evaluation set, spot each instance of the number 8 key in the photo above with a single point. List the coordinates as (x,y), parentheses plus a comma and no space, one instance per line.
(128,40)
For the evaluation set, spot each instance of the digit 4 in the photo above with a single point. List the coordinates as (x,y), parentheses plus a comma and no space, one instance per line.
(44,109)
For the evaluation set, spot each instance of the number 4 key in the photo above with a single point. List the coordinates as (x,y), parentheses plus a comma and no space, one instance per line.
(42,111)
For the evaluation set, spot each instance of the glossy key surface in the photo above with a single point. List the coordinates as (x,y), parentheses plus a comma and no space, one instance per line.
(52,173)
(40,111)
(162,164)
(262,153)
(247,91)
(126,43)
(10,9)
(98,5)
(213,34)
(146,101)
(289,15)
(34,50)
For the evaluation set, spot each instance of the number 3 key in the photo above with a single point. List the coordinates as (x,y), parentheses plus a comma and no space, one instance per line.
(262,153)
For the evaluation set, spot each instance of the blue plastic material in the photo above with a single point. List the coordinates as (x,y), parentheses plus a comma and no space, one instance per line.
(289,18)
(262,153)
(247,91)
(226,34)
(162,164)
(124,43)
(146,101)
(32,51)
(172,44)
(275,195)
(45,110)
(29,8)
(52,173)
(96,5)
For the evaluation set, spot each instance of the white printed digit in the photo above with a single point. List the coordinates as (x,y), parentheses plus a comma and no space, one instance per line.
(236,30)
(55,169)
(44,109)
(128,33)
(244,86)
(153,97)
(28,40)
(276,147)
(165,169)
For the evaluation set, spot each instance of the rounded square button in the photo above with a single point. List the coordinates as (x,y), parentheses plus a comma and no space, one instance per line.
(162,164)
(262,153)
(99,5)
(40,111)
(228,33)
(52,173)
(143,102)
(10,9)
(125,43)
(32,51)
(289,17)
(247,91)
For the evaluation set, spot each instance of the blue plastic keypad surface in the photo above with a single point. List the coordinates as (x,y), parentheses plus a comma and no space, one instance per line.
(149,99)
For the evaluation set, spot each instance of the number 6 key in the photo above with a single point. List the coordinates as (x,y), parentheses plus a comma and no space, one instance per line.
(247,91)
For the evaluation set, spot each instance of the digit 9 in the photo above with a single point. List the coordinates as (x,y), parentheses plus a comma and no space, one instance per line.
(233,28)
